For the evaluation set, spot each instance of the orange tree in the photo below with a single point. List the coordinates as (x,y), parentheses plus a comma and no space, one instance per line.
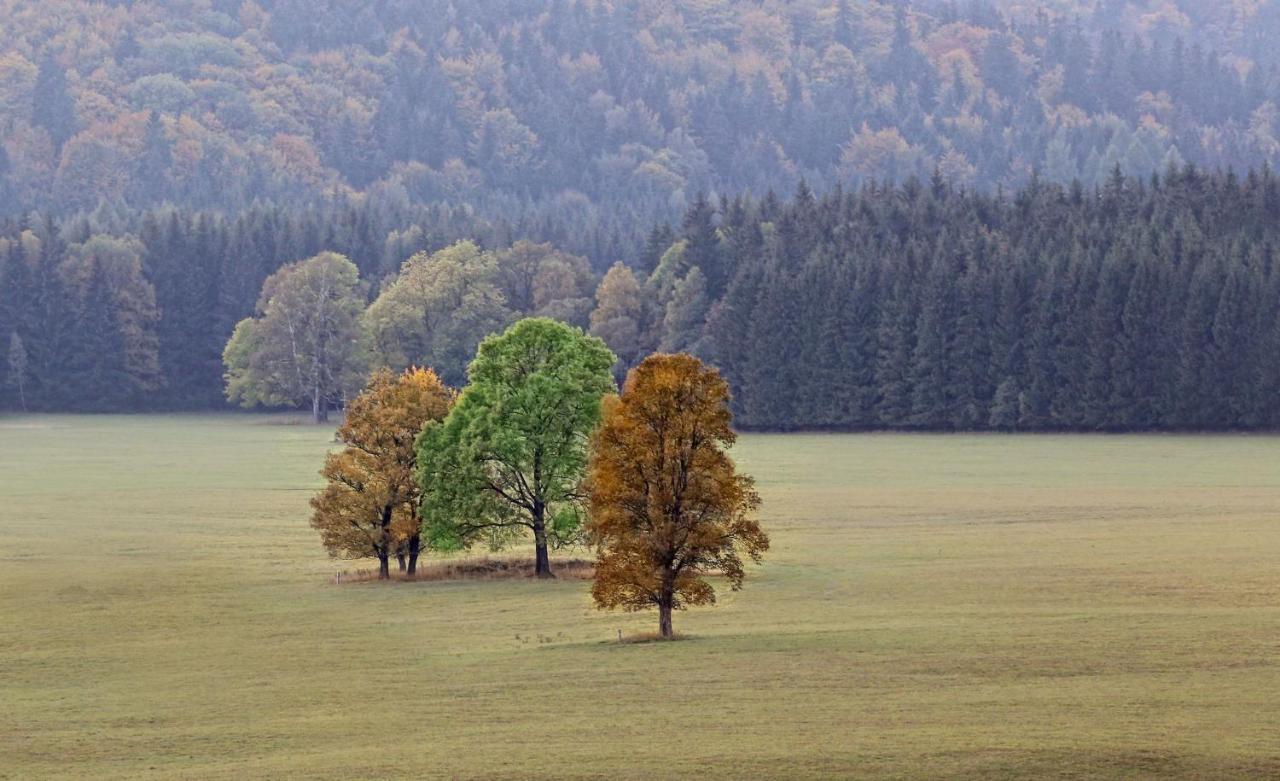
(370,506)
(667,506)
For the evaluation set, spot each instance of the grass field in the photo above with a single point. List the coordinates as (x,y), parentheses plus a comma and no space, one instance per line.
(934,606)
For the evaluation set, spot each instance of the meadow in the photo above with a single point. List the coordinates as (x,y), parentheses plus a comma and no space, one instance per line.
(933,606)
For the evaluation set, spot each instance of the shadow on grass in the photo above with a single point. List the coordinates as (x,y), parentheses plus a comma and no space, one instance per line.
(483,569)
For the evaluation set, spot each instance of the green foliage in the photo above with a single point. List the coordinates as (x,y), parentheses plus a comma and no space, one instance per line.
(305,346)
(686,315)
(624,316)
(130,299)
(1136,307)
(510,456)
(437,310)
(101,375)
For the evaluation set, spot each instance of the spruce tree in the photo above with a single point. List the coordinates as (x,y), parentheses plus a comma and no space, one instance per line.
(52,106)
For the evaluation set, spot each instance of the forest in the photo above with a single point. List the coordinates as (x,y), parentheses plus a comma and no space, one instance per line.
(921,215)
(619,111)
(1134,305)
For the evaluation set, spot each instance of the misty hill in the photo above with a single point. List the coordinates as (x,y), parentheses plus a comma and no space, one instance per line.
(625,108)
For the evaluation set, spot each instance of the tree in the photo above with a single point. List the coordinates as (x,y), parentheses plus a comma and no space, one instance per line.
(538,281)
(99,368)
(703,244)
(668,507)
(510,456)
(623,315)
(52,106)
(131,299)
(437,310)
(686,314)
(151,181)
(18,368)
(305,344)
(370,506)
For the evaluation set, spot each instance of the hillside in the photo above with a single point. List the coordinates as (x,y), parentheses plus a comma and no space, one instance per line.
(619,111)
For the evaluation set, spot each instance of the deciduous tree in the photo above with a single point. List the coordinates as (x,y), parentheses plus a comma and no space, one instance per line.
(305,344)
(623,316)
(438,310)
(667,505)
(510,457)
(370,506)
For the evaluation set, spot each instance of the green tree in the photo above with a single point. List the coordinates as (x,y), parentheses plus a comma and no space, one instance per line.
(686,315)
(131,299)
(1005,406)
(437,310)
(99,368)
(151,181)
(510,456)
(304,346)
(539,281)
(623,316)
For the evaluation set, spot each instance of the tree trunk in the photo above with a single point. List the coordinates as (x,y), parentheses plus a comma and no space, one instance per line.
(400,560)
(384,545)
(666,598)
(319,410)
(415,546)
(664,619)
(543,566)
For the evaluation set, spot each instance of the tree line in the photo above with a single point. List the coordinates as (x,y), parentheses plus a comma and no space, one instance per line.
(1138,305)
(1134,305)
(177,282)
(539,444)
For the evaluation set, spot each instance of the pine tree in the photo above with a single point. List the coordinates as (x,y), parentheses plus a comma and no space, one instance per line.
(151,183)
(702,244)
(686,315)
(52,106)
(896,337)
(101,379)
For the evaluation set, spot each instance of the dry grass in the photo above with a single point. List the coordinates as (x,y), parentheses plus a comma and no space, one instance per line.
(969,607)
(482,568)
(635,638)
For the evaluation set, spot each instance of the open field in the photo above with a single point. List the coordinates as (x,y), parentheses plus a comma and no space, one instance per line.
(959,606)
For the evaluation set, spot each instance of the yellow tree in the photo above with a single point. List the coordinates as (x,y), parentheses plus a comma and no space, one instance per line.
(667,505)
(369,509)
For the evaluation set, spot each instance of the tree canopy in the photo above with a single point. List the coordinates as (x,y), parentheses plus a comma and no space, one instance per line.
(510,456)
(369,507)
(667,506)
(304,347)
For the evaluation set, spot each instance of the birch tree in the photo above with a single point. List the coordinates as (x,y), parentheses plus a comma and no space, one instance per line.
(18,368)
(304,347)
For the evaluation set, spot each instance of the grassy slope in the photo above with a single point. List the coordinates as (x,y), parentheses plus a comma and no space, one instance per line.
(975,607)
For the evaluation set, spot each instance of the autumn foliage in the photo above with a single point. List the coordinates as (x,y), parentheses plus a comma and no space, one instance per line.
(667,505)
(369,509)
